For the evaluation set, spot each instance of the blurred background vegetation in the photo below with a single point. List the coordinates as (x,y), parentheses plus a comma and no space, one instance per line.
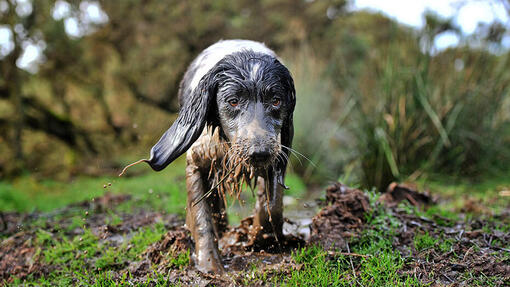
(377,102)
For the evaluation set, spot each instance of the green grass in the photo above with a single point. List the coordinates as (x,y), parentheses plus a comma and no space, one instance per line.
(379,266)
(105,279)
(316,269)
(131,250)
(424,241)
(159,191)
(446,245)
(376,269)
(459,193)
(84,258)
(162,191)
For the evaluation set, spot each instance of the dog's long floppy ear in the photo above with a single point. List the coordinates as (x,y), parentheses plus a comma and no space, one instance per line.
(287,134)
(187,127)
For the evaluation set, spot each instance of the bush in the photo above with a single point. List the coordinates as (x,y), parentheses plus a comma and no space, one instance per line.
(401,113)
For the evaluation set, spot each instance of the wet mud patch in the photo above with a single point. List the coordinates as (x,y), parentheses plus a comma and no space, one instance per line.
(20,257)
(240,239)
(26,238)
(460,253)
(144,246)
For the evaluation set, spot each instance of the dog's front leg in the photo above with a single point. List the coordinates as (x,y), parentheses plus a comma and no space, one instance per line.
(200,222)
(268,221)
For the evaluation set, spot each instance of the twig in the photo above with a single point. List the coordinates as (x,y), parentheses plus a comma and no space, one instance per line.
(500,248)
(466,254)
(449,279)
(350,259)
(130,165)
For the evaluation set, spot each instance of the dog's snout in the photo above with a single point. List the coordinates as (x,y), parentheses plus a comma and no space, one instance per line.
(260,156)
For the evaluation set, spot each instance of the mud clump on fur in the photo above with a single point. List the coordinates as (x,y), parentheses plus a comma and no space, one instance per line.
(341,218)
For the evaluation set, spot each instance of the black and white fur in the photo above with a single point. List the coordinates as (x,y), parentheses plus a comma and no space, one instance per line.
(240,90)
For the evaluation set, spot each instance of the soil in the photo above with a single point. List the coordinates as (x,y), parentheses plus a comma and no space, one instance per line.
(342,219)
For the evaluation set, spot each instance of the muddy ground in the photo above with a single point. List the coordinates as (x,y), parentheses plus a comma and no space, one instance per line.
(465,245)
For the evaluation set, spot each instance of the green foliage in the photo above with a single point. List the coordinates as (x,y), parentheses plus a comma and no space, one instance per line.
(317,125)
(412,121)
(396,111)
(375,101)
(103,279)
(297,187)
(442,216)
(481,279)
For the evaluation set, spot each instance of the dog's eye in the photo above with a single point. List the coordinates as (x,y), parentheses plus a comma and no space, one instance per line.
(233,102)
(275,101)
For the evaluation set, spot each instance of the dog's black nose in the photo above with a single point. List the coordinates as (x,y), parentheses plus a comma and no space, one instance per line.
(260,156)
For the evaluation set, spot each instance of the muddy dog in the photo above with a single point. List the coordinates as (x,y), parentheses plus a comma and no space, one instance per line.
(235,122)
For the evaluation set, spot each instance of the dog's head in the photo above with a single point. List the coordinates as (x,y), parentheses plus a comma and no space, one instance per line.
(251,97)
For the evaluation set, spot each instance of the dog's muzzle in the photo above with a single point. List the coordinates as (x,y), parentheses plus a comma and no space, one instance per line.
(259,156)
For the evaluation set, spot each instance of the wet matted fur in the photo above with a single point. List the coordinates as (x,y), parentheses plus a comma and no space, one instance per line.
(235,123)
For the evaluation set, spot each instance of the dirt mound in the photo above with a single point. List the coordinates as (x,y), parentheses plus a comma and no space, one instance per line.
(341,218)
(175,241)
(397,193)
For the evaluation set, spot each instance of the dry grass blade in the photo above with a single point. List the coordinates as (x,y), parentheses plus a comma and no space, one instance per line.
(130,165)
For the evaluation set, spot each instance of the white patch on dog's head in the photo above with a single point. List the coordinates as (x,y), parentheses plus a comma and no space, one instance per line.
(212,55)
(254,70)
